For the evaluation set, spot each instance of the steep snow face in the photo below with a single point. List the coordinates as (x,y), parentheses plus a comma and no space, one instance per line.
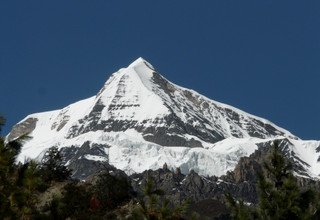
(139,120)
(130,97)
(140,98)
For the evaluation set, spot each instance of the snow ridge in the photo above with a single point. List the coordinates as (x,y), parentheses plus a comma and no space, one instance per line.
(139,120)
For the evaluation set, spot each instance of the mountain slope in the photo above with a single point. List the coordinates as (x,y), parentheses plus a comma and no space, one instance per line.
(139,120)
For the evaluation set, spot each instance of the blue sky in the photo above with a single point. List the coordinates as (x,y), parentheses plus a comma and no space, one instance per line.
(260,56)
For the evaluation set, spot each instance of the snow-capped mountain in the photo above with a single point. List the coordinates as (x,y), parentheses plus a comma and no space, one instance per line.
(139,120)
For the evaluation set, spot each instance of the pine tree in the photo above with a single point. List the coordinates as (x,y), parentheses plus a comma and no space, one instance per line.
(19,183)
(155,206)
(111,190)
(8,187)
(52,167)
(279,194)
(239,210)
(73,203)
(2,122)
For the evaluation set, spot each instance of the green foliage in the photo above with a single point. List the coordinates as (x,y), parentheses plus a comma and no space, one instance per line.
(22,186)
(81,201)
(52,167)
(19,183)
(279,194)
(2,122)
(111,190)
(239,210)
(73,203)
(154,206)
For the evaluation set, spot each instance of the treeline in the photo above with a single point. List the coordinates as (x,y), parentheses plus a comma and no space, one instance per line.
(45,190)
(280,196)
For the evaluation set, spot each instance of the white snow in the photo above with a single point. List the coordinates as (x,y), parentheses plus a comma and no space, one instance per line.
(135,87)
(130,94)
(306,151)
(95,158)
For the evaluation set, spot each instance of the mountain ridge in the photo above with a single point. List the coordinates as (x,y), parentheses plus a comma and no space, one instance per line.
(140,115)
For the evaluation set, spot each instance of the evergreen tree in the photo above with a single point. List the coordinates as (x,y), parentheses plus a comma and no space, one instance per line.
(52,167)
(111,191)
(19,183)
(154,206)
(239,210)
(2,122)
(279,194)
(73,203)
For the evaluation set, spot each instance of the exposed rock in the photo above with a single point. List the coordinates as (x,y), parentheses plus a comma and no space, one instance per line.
(138,111)
(79,159)
(25,127)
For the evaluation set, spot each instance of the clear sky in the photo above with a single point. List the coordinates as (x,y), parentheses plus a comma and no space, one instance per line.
(261,56)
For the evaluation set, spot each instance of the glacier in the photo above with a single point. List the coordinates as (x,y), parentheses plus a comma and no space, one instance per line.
(139,120)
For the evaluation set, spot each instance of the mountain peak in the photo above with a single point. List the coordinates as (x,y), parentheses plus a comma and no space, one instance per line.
(138,73)
(140,62)
(139,120)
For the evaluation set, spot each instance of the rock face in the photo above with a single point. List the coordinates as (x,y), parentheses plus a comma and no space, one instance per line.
(22,128)
(139,120)
(81,161)
(241,182)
